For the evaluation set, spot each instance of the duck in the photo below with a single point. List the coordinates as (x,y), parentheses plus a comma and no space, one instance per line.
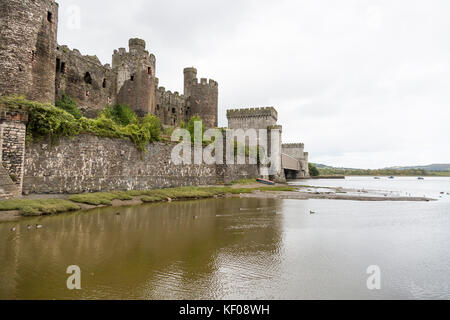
(29,227)
(13,229)
(39,226)
(311,212)
(118,214)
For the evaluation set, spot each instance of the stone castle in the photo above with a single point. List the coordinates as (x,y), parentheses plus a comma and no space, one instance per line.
(32,64)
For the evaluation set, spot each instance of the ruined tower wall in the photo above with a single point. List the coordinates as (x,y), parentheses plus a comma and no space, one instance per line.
(91,84)
(171,108)
(28,31)
(136,81)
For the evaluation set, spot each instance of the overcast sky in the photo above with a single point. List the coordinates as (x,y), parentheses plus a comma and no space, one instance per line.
(363,83)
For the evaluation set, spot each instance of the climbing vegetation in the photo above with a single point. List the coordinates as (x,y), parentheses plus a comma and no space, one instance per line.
(49,122)
(68,104)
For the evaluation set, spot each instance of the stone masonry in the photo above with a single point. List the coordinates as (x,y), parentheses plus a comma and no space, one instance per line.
(12,140)
(88,164)
(297,151)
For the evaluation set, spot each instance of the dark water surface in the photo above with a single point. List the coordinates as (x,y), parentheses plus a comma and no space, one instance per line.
(236,249)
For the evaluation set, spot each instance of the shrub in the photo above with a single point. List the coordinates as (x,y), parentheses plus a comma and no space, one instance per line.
(68,104)
(121,114)
(47,121)
(191,126)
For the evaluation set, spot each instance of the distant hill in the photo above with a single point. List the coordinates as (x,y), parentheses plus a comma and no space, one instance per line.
(431,167)
(324,166)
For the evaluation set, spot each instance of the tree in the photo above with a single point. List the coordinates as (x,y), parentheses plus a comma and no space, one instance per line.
(313,171)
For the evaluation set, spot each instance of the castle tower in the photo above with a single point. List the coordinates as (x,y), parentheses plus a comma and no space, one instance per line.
(136,82)
(28,31)
(262,119)
(190,74)
(203,97)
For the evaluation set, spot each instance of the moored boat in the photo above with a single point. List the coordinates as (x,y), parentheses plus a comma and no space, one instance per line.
(270,183)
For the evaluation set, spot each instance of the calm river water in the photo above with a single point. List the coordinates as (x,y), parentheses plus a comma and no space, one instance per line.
(239,248)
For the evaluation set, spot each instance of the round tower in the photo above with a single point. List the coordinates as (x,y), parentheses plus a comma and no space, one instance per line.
(190,74)
(204,101)
(135,82)
(136,45)
(28,31)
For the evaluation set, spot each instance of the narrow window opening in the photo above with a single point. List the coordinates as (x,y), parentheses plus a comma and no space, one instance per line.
(49,16)
(104,83)
(87,78)
(157,107)
(58,65)
(149,71)
(132,78)
(173,110)
(33,55)
(63,67)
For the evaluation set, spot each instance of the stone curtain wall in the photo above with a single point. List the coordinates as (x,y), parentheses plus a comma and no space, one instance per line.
(90,164)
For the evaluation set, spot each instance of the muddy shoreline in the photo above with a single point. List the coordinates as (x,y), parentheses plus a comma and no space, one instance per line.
(303,193)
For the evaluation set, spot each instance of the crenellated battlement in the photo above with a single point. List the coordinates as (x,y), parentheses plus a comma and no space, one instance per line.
(253,112)
(204,82)
(293,145)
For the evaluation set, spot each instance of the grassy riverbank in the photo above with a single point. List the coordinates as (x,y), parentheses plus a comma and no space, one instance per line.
(38,207)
